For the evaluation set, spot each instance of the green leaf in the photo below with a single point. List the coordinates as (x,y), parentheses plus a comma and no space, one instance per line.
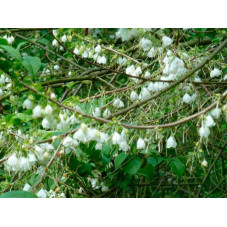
(32,64)
(177,167)
(133,166)
(19,116)
(84,169)
(154,161)
(5,65)
(45,42)
(73,163)
(20,45)
(12,51)
(148,171)
(3,41)
(120,159)
(18,194)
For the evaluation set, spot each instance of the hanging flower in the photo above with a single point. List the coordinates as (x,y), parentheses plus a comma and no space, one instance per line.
(27,104)
(12,163)
(134,96)
(186,98)
(64,38)
(116,138)
(26,187)
(171,142)
(151,53)
(204,163)
(145,44)
(98,146)
(37,111)
(130,70)
(123,145)
(118,103)
(76,51)
(55,43)
(98,49)
(216,113)
(204,132)
(56,67)
(166,41)
(97,112)
(209,122)
(215,72)
(145,94)
(42,193)
(24,164)
(147,74)
(45,123)
(140,144)
(101,60)
(106,113)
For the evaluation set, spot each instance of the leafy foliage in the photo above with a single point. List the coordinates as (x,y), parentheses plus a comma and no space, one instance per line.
(113,113)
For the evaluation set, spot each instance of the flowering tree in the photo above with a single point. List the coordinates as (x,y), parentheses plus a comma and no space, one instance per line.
(113,112)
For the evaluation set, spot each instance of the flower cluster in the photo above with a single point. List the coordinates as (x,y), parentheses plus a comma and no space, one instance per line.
(85,134)
(126,34)
(120,139)
(204,131)
(20,164)
(10,39)
(189,99)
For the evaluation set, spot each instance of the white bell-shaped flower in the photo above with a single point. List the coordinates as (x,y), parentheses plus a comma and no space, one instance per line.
(97,112)
(26,187)
(151,53)
(118,103)
(216,113)
(140,144)
(101,60)
(138,71)
(37,111)
(204,163)
(106,113)
(166,41)
(147,74)
(48,110)
(186,98)
(24,164)
(145,44)
(42,193)
(134,96)
(98,49)
(215,72)
(67,141)
(116,138)
(171,142)
(204,131)
(27,104)
(209,121)
(56,67)
(76,51)
(145,94)
(130,70)
(55,43)
(123,145)
(64,38)
(32,159)
(98,146)
(45,123)
(12,163)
